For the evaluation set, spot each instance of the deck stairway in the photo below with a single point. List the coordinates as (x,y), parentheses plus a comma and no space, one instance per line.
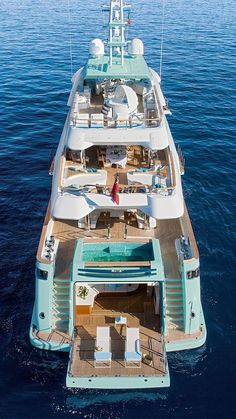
(61,295)
(174,304)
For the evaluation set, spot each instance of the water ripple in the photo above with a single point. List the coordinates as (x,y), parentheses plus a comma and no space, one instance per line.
(199,80)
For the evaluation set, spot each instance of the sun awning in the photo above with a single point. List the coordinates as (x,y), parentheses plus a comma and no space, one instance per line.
(83,138)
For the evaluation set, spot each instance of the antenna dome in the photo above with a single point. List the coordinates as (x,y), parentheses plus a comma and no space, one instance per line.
(96,47)
(136,47)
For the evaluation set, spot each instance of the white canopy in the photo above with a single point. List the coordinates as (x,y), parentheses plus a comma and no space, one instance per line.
(83,138)
(124,102)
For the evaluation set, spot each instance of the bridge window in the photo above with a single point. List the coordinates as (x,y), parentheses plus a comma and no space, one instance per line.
(42,274)
(193,274)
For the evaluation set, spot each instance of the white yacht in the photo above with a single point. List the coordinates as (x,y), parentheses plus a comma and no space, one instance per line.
(117,270)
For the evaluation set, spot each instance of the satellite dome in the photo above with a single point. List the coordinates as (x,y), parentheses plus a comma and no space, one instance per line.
(96,47)
(136,47)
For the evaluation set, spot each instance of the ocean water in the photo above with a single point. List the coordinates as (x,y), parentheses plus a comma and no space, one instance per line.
(199,67)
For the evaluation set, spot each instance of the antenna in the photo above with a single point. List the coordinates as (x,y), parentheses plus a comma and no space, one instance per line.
(71,54)
(162,37)
(104,23)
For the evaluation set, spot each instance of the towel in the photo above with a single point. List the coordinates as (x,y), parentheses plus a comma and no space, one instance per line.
(91,170)
(142,169)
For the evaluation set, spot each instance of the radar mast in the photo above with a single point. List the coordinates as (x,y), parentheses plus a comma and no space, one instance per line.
(117,24)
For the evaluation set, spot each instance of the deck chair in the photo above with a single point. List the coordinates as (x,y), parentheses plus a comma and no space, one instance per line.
(97,120)
(102,354)
(130,153)
(133,355)
(82,120)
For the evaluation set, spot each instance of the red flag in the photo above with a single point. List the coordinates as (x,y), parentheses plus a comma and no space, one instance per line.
(115,190)
(129,18)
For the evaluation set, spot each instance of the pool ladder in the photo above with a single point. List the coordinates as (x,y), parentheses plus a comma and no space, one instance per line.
(108,231)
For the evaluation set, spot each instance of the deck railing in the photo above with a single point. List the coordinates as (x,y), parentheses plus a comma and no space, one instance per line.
(152,351)
(71,355)
(113,123)
(126,189)
(172,169)
(164,353)
(189,234)
(181,159)
(160,353)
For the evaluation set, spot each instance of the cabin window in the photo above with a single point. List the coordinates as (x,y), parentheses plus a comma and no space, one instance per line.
(42,274)
(193,274)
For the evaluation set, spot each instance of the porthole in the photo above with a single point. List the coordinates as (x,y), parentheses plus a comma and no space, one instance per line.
(42,315)
(42,274)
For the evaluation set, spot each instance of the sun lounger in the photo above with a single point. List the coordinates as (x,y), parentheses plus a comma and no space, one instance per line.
(102,354)
(82,120)
(133,355)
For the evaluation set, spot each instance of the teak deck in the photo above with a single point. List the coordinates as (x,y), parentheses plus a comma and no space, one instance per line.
(138,160)
(138,308)
(68,232)
(83,354)
(143,317)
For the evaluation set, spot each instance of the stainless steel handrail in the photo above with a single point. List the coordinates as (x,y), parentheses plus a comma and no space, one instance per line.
(112,122)
(71,355)
(106,189)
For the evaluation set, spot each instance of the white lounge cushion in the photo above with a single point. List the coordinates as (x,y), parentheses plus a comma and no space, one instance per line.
(132,345)
(103,353)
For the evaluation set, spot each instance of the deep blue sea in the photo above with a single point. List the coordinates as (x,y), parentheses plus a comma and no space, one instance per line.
(199,79)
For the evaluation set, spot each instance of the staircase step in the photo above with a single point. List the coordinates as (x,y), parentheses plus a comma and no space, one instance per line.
(61,297)
(61,305)
(61,309)
(173,292)
(173,280)
(61,292)
(61,286)
(61,317)
(175,319)
(177,312)
(175,304)
(174,286)
(174,309)
(61,280)
(174,299)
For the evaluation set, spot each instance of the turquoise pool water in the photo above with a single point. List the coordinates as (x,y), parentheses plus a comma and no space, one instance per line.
(117,252)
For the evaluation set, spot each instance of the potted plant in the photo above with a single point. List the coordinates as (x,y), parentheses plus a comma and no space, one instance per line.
(83,292)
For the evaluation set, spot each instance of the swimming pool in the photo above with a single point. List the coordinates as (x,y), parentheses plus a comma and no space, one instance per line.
(117,252)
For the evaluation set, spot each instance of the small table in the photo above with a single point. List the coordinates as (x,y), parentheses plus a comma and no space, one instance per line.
(122,322)
(116,155)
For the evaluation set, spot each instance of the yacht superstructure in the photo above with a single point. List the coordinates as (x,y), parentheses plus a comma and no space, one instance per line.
(117,270)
